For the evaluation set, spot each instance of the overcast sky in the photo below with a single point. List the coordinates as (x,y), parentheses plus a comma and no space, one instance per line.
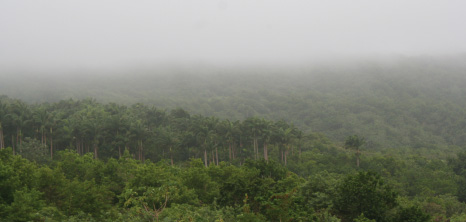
(107,33)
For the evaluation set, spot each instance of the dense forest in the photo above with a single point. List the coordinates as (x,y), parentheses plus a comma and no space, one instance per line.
(366,141)
(84,160)
(415,102)
(232,111)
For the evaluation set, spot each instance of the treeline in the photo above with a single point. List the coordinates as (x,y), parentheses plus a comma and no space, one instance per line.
(415,102)
(83,160)
(107,130)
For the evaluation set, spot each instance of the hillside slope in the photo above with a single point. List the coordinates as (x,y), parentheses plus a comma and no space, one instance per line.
(416,102)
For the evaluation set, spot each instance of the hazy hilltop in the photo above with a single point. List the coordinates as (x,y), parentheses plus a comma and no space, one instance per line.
(299,61)
(410,101)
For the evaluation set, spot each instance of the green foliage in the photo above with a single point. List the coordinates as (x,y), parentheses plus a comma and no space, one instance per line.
(197,178)
(184,212)
(138,163)
(364,193)
(354,142)
(9,179)
(86,197)
(412,214)
(318,191)
(33,150)
(458,165)
(362,218)
(269,169)
(325,216)
(405,102)
(76,188)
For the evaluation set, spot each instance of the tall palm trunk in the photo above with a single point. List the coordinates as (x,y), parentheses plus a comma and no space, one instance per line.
(51,143)
(286,151)
(213,157)
(216,154)
(254,145)
(281,152)
(2,141)
(140,151)
(17,136)
(41,136)
(20,139)
(171,155)
(205,157)
(233,151)
(266,157)
(95,150)
(13,142)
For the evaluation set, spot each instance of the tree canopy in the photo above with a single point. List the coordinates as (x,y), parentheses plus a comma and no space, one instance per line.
(110,162)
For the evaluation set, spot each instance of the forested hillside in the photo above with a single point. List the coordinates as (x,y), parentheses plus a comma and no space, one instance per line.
(146,132)
(367,141)
(80,160)
(232,111)
(416,102)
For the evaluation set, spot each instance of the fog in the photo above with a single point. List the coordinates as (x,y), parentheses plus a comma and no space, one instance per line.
(114,33)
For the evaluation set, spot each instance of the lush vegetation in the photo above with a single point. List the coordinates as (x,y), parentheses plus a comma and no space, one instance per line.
(404,102)
(377,141)
(77,187)
(146,132)
(83,160)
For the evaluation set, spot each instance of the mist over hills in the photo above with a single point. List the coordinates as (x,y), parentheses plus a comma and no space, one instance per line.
(417,102)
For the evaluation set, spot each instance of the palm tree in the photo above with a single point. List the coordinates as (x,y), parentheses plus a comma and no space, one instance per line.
(41,118)
(285,136)
(211,137)
(93,127)
(55,119)
(214,140)
(229,128)
(205,135)
(355,143)
(201,137)
(254,126)
(19,116)
(267,133)
(138,132)
(117,126)
(76,125)
(299,136)
(169,139)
